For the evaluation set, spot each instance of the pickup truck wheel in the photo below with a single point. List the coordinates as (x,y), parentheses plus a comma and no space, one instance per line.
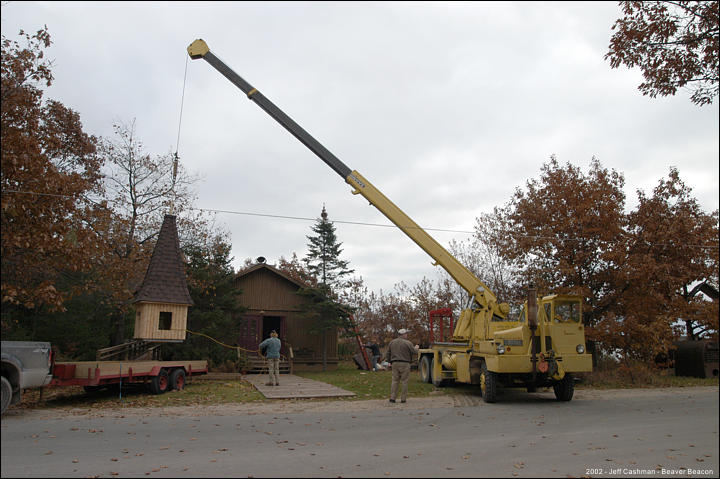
(564,388)
(177,380)
(6,394)
(488,384)
(159,384)
(426,369)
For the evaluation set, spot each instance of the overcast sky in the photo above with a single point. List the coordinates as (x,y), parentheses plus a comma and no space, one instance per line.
(447,108)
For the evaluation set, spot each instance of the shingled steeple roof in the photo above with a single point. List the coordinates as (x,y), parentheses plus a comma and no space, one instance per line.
(165,277)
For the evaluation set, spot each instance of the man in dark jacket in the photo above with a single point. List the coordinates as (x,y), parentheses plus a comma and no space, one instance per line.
(400,354)
(374,354)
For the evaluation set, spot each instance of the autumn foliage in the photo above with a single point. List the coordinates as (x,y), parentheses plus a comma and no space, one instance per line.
(79,213)
(49,173)
(569,232)
(675,44)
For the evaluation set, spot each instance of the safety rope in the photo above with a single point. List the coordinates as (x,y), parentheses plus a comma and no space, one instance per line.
(223,344)
(237,348)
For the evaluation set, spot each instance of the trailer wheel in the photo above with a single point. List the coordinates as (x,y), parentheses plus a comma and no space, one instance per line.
(488,384)
(159,384)
(426,369)
(177,379)
(564,388)
(6,394)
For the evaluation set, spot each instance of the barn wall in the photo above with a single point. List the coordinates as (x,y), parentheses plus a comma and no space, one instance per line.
(265,293)
(264,290)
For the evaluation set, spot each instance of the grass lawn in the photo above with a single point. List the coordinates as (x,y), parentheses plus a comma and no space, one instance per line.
(365,384)
(368,384)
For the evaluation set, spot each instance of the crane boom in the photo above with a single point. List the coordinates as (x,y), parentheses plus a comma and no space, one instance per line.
(464,277)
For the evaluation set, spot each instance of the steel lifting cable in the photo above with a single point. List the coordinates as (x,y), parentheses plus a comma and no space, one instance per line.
(182,103)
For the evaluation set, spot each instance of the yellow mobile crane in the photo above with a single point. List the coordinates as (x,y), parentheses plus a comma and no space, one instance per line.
(542,346)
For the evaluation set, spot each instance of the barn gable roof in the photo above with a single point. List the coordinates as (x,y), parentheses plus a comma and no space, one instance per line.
(165,280)
(260,266)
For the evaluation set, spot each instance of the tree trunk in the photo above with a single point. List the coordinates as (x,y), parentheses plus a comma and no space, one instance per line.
(324,350)
(689,330)
(119,328)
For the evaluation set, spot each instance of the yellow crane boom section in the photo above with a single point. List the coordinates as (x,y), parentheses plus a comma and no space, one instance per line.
(464,277)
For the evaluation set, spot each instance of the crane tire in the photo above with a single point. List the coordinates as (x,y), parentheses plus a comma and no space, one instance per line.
(564,388)
(438,383)
(426,365)
(488,384)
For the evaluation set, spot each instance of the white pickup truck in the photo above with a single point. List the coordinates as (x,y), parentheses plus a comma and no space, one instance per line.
(25,364)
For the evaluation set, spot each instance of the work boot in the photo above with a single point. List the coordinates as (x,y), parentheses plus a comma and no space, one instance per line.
(392,400)
(268,384)
(277,384)
(403,400)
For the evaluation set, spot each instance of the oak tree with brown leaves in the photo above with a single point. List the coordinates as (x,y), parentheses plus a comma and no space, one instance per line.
(675,44)
(565,233)
(672,247)
(49,174)
(569,233)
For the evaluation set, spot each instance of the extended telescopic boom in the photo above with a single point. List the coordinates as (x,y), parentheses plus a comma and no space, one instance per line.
(475,288)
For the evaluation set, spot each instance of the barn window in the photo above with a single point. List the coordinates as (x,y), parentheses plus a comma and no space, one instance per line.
(165,320)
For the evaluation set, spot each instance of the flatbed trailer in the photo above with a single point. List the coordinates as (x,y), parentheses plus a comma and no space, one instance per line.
(158,376)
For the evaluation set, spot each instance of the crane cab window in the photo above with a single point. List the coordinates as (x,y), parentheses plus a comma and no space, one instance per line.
(567,312)
(520,317)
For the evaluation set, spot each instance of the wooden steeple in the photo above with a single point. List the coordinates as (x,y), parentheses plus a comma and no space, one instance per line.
(163,299)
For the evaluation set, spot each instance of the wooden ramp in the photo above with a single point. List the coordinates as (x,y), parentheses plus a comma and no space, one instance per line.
(292,386)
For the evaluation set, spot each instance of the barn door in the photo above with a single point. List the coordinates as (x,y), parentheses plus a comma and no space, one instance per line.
(276,323)
(250,330)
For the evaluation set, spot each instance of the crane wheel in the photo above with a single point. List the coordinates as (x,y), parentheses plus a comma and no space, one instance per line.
(488,384)
(437,382)
(426,365)
(565,388)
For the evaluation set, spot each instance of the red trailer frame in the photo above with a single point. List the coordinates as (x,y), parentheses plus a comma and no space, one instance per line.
(161,376)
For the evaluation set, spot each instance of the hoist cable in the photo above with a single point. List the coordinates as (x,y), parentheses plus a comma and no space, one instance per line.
(182,102)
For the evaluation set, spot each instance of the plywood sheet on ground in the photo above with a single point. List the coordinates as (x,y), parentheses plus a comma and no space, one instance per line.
(292,386)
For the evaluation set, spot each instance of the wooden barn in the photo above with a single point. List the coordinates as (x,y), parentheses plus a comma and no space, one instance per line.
(272,304)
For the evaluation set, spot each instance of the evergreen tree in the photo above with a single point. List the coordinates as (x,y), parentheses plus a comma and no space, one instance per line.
(324,263)
(323,257)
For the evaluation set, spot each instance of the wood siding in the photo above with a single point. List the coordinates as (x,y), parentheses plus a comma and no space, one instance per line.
(264,290)
(147,321)
(267,294)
